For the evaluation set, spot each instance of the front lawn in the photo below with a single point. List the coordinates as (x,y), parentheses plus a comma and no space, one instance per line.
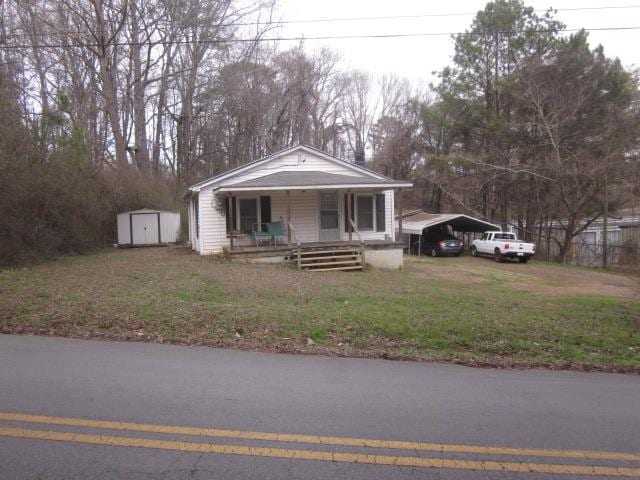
(466,310)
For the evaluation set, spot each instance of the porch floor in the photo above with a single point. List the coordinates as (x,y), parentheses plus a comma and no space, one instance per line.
(284,249)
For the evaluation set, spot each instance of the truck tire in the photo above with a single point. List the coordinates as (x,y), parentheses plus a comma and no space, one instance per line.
(523,260)
(474,251)
(497,256)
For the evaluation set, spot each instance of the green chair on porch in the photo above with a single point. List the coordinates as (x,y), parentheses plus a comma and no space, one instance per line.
(276,231)
(259,235)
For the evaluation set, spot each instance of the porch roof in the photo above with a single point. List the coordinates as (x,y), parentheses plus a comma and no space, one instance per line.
(311,180)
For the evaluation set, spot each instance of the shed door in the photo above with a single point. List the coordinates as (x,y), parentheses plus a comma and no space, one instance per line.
(144,228)
(329,221)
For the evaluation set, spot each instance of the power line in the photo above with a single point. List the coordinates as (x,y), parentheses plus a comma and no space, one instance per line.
(426,15)
(354,19)
(302,38)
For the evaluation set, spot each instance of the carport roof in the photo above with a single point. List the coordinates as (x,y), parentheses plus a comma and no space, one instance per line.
(416,222)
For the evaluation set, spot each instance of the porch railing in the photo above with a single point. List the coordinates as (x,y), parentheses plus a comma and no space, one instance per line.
(357,232)
(291,233)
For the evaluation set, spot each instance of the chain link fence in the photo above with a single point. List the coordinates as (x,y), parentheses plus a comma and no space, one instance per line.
(589,254)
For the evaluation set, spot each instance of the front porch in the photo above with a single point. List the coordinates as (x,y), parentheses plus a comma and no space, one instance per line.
(298,201)
(320,256)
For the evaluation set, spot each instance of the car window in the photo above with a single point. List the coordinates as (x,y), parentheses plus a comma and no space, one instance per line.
(505,236)
(484,237)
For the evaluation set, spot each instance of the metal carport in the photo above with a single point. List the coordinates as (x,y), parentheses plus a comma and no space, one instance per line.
(414,223)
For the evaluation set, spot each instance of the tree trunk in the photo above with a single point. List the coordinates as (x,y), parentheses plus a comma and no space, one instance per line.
(108,74)
(139,112)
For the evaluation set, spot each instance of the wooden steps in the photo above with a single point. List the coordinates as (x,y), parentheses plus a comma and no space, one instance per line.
(306,251)
(329,258)
(355,267)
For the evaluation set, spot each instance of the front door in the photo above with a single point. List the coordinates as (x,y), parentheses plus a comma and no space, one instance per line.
(329,221)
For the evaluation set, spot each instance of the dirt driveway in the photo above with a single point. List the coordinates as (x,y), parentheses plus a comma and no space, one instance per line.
(544,278)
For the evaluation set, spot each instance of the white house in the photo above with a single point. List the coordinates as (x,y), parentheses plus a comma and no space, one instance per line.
(308,195)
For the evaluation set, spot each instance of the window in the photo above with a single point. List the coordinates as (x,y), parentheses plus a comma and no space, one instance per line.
(504,236)
(484,236)
(380,213)
(328,211)
(248,214)
(265,210)
(364,209)
(613,237)
(613,240)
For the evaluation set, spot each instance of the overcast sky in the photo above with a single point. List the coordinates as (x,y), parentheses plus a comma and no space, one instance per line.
(416,57)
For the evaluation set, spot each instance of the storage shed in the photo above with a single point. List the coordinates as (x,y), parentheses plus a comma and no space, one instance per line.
(148,227)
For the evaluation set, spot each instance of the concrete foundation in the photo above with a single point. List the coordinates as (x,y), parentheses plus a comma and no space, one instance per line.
(387,258)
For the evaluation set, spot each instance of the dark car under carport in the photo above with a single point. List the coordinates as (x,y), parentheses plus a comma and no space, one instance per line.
(418,229)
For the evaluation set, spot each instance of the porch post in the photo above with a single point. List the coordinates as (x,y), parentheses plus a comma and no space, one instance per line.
(399,215)
(231,220)
(349,214)
(289,218)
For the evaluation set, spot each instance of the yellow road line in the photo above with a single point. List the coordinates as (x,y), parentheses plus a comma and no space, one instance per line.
(319,455)
(319,440)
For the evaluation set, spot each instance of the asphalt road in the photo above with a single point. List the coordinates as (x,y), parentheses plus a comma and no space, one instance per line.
(469,423)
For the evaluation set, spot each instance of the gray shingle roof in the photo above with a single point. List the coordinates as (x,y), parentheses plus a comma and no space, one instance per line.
(217,180)
(309,179)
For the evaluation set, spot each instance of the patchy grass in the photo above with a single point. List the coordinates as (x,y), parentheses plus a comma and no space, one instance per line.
(465,310)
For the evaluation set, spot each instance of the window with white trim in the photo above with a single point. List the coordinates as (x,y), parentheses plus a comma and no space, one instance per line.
(370,214)
(365,212)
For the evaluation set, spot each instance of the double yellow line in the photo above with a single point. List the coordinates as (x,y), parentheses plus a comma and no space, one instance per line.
(287,453)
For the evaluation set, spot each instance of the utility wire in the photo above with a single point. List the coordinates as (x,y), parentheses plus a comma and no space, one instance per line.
(357,19)
(426,15)
(75,44)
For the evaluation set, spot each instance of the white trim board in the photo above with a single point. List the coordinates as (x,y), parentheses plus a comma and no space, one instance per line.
(310,150)
(355,186)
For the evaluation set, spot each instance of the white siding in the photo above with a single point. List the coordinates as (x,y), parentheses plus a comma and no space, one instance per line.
(392,217)
(190,221)
(213,227)
(304,216)
(195,239)
(304,212)
(291,163)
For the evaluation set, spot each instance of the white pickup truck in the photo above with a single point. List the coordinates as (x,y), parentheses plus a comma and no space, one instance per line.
(502,245)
